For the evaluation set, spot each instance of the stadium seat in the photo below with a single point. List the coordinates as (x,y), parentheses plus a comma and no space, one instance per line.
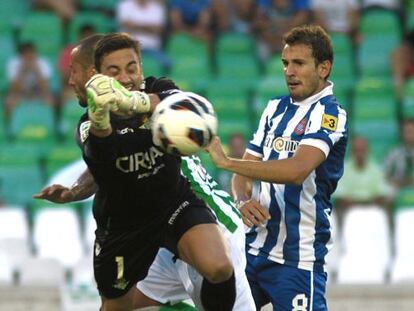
(7,51)
(19,183)
(180,44)
(366,246)
(404,198)
(333,256)
(57,235)
(268,87)
(408,99)
(44,29)
(107,5)
(6,270)
(41,272)
(12,14)
(235,56)
(374,53)
(60,156)
(191,61)
(14,235)
(380,22)
(402,268)
(101,22)
(13,223)
(90,227)
(82,272)
(33,121)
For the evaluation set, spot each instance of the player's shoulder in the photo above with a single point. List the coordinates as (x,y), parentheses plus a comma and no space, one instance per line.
(332,106)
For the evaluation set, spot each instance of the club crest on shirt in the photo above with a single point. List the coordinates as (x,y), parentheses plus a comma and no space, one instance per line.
(285,144)
(300,128)
(329,122)
(84,130)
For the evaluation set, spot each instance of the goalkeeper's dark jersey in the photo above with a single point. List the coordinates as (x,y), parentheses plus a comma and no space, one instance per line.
(138,184)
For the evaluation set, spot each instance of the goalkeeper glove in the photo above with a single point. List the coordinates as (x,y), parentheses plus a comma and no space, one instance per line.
(105,91)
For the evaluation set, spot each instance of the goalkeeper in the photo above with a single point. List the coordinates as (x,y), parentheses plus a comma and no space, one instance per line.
(142,201)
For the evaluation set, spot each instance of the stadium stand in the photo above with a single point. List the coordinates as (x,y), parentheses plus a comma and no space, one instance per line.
(39,140)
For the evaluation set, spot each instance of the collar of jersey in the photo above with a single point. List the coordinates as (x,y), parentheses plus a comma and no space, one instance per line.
(327,90)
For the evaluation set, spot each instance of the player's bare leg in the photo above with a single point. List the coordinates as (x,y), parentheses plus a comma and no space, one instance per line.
(123,303)
(142,301)
(204,247)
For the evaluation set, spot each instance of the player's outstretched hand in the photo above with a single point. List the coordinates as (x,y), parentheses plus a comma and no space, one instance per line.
(216,152)
(253,213)
(55,193)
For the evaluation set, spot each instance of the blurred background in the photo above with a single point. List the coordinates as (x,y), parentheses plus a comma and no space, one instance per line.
(228,51)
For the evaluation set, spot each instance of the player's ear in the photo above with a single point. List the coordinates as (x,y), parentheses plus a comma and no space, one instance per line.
(324,68)
(92,71)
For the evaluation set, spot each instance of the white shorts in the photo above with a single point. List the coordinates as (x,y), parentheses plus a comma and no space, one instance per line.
(170,282)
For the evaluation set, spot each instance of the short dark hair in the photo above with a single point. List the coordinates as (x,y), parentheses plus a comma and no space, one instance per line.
(315,37)
(113,42)
(26,46)
(86,50)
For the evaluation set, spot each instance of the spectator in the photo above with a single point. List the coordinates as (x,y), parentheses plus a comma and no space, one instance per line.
(145,21)
(363,182)
(233,15)
(64,61)
(273,19)
(399,164)
(28,75)
(192,17)
(338,16)
(402,62)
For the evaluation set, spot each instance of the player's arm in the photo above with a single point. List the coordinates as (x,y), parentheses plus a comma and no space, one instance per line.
(251,210)
(83,188)
(292,170)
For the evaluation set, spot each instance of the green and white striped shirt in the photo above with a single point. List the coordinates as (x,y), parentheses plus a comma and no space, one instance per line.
(207,189)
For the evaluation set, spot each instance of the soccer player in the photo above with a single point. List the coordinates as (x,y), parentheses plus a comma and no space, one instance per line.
(142,201)
(297,153)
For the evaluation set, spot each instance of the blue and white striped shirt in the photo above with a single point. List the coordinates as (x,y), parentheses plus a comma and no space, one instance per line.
(299,232)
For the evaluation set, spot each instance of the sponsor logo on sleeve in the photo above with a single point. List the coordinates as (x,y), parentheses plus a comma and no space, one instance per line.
(84,130)
(329,122)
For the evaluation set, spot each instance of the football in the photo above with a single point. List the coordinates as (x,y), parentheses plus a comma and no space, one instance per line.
(183,124)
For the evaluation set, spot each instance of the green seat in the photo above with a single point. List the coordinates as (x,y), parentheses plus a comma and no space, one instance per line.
(274,66)
(374,54)
(70,115)
(374,99)
(382,135)
(341,44)
(44,29)
(405,198)
(235,43)
(101,22)
(180,44)
(106,5)
(59,156)
(19,183)
(152,66)
(12,14)
(7,51)
(229,125)
(235,56)
(33,121)
(268,87)
(380,22)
